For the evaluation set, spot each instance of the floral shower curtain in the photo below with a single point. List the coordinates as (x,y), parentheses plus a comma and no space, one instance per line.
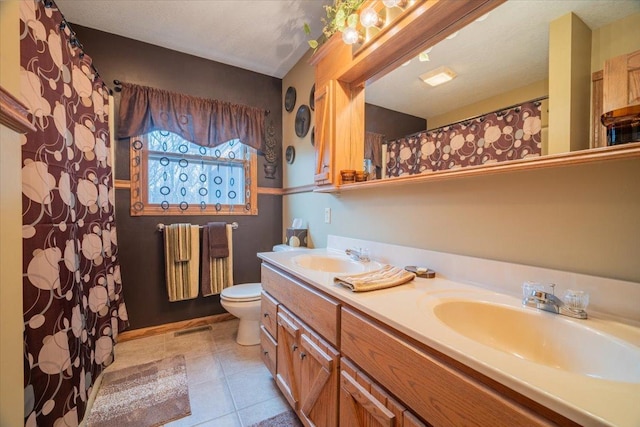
(73,302)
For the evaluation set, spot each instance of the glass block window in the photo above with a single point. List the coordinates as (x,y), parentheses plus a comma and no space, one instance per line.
(170,175)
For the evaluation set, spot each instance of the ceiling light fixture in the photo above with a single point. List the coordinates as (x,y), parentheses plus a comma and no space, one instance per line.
(438,76)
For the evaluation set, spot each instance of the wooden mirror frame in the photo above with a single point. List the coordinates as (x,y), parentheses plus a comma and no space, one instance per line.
(342,72)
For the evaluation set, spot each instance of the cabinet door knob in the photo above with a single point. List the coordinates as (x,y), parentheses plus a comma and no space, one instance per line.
(303,355)
(266,315)
(265,352)
(294,347)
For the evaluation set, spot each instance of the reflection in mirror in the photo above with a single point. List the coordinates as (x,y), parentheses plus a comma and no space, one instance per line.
(522,51)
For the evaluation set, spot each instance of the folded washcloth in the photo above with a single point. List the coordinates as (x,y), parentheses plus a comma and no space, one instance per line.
(385,277)
(218,243)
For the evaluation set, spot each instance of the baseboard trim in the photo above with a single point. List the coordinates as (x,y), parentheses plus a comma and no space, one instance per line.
(174,326)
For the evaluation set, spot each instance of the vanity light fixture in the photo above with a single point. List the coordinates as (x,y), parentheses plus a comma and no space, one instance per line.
(394,3)
(438,76)
(370,18)
(483,17)
(351,36)
(449,37)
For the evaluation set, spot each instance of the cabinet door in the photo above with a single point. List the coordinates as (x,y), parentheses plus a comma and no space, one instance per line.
(362,406)
(324,134)
(288,362)
(622,81)
(318,381)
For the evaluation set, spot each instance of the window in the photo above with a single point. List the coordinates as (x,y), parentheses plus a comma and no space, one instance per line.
(170,175)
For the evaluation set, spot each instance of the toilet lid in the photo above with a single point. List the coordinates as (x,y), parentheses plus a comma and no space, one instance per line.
(241,293)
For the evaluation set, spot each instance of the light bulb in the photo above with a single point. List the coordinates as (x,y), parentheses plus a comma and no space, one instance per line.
(369,18)
(350,35)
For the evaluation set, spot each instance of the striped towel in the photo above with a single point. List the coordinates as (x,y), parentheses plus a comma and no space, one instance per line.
(217,273)
(385,277)
(181,251)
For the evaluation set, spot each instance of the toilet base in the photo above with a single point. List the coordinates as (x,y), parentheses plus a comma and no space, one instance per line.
(248,332)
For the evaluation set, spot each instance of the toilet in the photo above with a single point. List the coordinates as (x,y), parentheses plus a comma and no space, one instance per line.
(243,301)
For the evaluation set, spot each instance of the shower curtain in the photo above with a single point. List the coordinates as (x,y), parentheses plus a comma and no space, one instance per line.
(73,302)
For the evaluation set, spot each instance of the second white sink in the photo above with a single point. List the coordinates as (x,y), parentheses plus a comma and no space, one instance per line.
(334,264)
(543,338)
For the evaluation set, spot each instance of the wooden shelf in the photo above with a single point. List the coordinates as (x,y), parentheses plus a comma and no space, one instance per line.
(625,151)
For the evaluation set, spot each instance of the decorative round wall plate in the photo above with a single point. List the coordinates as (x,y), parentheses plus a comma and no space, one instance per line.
(303,121)
(290,99)
(312,97)
(290,154)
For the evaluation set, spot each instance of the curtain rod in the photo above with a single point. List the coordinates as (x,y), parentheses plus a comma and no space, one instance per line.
(161,226)
(118,88)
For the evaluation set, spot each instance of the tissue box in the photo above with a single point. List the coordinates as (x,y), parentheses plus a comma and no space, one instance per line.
(296,237)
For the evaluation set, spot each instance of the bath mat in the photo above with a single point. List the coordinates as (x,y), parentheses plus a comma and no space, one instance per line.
(146,395)
(285,419)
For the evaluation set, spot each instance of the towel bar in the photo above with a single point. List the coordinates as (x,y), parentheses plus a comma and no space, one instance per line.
(160,227)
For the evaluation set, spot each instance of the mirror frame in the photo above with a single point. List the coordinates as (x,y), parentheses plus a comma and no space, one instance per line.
(430,21)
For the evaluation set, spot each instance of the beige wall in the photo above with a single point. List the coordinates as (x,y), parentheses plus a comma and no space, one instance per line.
(302,170)
(615,39)
(569,84)
(11,385)
(515,96)
(581,218)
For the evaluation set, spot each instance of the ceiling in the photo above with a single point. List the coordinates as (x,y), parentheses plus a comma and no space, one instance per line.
(265,36)
(509,49)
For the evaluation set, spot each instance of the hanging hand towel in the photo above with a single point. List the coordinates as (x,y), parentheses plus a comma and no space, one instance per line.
(218,241)
(217,273)
(385,277)
(181,250)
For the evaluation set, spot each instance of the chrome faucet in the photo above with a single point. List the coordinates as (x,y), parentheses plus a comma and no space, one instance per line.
(547,301)
(359,254)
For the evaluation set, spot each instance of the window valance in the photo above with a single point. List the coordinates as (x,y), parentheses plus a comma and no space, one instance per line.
(205,122)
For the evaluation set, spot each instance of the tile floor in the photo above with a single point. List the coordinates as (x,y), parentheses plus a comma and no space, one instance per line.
(229,386)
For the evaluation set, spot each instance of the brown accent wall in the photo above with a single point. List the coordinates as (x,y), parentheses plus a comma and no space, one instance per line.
(140,245)
(391,124)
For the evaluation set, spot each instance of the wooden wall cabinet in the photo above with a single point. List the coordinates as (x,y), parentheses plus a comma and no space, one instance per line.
(617,86)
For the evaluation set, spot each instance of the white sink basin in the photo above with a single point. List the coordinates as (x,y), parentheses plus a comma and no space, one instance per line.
(543,338)
(334,264)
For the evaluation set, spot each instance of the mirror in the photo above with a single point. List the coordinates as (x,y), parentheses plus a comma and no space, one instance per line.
(500,61)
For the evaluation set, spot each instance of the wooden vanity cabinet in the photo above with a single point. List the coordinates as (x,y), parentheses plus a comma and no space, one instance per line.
(339,367)
(365,404)
(435,391)
(307,361)
(307,371)
(268,332)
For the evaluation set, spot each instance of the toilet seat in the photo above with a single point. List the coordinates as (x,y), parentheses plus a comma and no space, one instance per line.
(242,293)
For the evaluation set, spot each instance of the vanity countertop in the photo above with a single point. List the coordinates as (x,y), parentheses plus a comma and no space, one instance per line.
(408,309)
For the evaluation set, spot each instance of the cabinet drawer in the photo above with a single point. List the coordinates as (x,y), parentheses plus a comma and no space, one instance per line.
(319,312)
(438,393)
(269,310)
(268,349)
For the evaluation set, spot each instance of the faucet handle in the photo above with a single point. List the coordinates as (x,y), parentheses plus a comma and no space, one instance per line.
(528,288)
(576,300)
